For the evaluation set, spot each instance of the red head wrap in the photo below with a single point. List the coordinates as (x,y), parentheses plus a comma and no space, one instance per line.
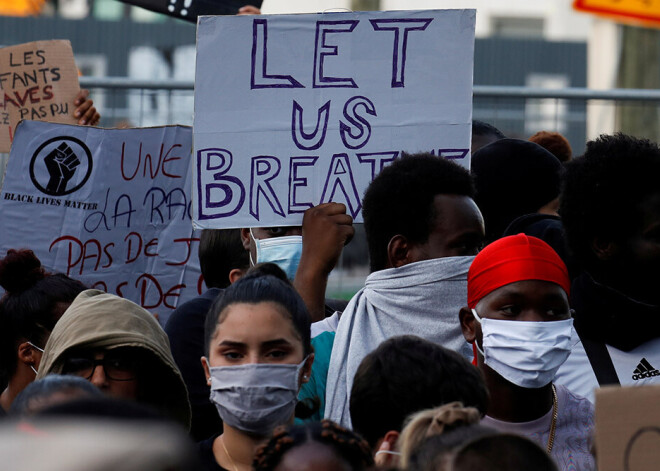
(511,259)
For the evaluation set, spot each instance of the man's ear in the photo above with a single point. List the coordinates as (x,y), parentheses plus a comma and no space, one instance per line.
(603,249)
(207,371)
(398,251)
(384,458)
(468,326)
(235,275)
(246,239)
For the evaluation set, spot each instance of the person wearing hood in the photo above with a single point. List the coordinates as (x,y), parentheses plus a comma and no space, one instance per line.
(423,228)
(120,348)
(519,323)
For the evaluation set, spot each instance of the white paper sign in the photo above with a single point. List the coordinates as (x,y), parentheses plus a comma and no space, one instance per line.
(110,207)
(296,110)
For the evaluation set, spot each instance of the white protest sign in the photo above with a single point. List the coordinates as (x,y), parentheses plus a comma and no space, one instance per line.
(296,110)
(110,207)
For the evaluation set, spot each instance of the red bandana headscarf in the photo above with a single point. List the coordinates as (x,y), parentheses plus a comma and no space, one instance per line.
(511,259)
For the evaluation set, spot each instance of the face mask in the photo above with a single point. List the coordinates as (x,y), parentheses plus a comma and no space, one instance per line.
(257,397)
(527,354)
(283,251)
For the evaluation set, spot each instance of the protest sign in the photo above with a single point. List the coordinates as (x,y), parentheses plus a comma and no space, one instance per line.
(110,207)
(306,109)
(627,428)
(189,10)
(38,81)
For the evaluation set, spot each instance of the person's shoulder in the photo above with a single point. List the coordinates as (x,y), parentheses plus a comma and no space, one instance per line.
(206,455)
(196,306)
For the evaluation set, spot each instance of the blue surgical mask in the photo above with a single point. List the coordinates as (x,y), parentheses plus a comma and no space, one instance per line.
(283,251)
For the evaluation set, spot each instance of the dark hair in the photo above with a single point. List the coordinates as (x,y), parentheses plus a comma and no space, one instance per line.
(263,283)
(433,453)
(346,444)
(503,452)
(29,308)
(220,251)
(400,200)
(43,389)
(481,128)
(105,407)
(554,143)
(407,374)
(603,189)
(513,177)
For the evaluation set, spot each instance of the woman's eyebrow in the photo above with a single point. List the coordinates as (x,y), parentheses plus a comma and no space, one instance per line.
(276,343)
(231,343)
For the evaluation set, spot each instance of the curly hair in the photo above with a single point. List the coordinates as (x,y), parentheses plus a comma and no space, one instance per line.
(400,200)
(346,444)
(602,191)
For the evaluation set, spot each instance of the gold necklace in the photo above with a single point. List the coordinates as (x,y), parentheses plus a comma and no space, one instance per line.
(553,424)
(224,447)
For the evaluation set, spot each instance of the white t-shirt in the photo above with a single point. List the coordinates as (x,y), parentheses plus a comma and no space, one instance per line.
(576,373)
(573,432)
(639,366)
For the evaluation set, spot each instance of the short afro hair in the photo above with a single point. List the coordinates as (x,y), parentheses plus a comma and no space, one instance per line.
(400,200)
(602,191)
(408,374)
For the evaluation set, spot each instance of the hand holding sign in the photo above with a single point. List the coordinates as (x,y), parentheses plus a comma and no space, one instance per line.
(61,164)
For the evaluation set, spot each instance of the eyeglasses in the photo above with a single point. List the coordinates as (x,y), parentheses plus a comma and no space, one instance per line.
(116,368)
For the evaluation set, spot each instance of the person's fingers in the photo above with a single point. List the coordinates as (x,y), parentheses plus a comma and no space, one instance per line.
(342,219)
(83,108)
(332,208)
(95,120)
(89,114)
(81,97)
(249,10)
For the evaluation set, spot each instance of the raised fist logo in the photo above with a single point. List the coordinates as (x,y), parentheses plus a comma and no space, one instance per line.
(61,164)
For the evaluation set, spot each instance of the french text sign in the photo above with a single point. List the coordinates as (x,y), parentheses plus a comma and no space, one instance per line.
(296,110)
(38,81)
(110,207)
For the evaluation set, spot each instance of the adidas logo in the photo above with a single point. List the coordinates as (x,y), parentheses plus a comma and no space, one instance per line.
(644,370)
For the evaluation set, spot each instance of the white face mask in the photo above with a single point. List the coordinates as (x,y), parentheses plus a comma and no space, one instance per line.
(255,397)
(285,252)
(525,353)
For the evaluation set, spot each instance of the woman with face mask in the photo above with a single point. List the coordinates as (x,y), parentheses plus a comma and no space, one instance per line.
(258,353)
(33,302)
(519,322)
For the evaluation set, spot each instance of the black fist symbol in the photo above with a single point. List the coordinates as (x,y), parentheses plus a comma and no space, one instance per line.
(61,164)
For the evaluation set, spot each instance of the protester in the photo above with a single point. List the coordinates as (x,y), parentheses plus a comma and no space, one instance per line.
(258,352)
(33,302)
(422,228)
(554,143)
(611,212)
(121,349)
(502,452)
(317,445)
(436,452)
(518,320)
(484,134)
(307,253)
(514,178)
(222,261)
(51,390)
(432,422)
(405,375)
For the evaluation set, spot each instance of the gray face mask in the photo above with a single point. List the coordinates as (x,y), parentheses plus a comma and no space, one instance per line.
(256,397)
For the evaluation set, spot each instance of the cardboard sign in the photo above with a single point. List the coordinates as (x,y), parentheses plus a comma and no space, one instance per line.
(306,109)
(628,428)
(189,10)
(646,11)
(38,81)
(110,207)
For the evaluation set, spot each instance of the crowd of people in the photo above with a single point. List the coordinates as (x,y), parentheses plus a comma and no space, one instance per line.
(498,301)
